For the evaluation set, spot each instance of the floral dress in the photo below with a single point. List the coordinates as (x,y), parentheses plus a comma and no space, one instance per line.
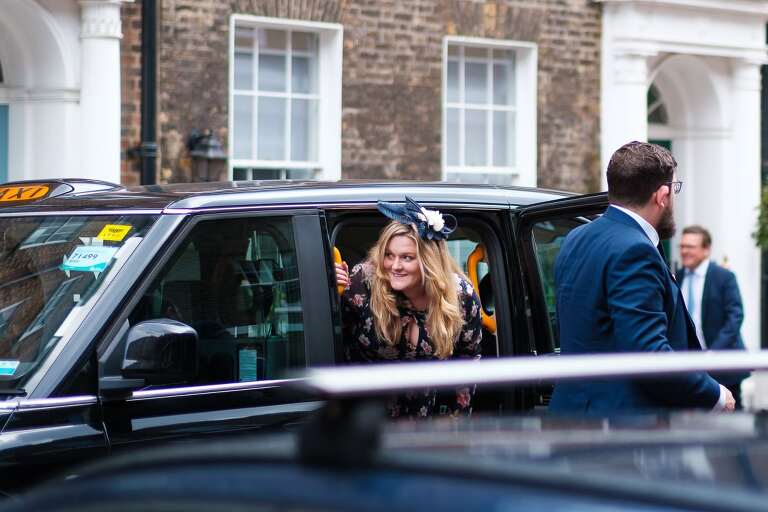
(362,345)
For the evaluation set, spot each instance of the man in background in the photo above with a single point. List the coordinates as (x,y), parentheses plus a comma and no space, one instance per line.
(713,300)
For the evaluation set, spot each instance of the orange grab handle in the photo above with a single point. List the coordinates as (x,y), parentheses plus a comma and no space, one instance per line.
(337,259)
(475,257)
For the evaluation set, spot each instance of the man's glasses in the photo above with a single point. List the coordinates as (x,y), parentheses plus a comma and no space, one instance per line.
(675,186)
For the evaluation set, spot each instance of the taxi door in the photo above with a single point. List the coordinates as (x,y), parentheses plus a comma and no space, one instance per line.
(42,437)
(540,230)
(255,291)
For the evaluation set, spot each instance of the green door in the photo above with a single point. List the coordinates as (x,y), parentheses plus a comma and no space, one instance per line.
(3,143)
(665,143)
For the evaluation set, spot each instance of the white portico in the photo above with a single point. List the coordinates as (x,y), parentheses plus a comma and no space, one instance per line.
(702,58)
(60,88)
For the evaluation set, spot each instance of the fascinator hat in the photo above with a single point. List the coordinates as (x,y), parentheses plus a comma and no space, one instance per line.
(430,224)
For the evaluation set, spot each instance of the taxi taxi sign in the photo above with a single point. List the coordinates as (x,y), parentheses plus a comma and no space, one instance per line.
(23,193)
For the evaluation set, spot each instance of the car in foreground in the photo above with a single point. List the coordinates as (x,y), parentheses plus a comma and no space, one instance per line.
(347,457)
(150,315)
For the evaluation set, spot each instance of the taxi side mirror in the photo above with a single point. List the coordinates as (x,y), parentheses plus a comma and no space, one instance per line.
(160,351)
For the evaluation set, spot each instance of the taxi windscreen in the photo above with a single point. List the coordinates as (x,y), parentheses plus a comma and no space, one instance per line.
(49,268)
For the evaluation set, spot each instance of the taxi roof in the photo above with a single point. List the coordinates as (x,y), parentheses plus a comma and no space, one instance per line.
(90,195)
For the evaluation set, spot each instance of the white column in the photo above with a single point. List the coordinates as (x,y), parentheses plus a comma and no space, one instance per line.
(741,192)
(100,99)
(624,115)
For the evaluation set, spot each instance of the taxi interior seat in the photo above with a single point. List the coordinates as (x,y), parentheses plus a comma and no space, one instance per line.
(181,300)
(255,303)
(489,345)
(486,294)
(354,238)
(223,313)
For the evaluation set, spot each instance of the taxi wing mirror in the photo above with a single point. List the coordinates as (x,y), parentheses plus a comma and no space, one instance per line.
(160,351)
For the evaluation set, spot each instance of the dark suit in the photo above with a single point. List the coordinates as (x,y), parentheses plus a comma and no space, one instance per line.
(616,294)
(721,317)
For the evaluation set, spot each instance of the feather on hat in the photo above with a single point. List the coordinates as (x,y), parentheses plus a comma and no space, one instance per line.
(430,224)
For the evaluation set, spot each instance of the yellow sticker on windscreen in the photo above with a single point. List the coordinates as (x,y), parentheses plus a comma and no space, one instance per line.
(114,232)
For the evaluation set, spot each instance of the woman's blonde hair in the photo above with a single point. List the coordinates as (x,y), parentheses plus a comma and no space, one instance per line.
(438,271)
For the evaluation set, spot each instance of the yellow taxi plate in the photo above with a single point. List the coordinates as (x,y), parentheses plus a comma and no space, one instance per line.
(23,193)
(114,232)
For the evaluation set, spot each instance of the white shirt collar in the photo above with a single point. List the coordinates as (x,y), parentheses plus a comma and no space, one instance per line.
(701,270)
(649,230)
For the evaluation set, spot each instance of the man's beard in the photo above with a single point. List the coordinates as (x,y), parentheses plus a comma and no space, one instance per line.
(666,227)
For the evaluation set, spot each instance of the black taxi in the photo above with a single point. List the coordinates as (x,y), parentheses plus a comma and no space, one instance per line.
(158,314)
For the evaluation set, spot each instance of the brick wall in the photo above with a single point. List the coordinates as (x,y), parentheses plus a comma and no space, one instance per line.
(391,119)
(393,75)
(130,84)
(391,89)
(569,95)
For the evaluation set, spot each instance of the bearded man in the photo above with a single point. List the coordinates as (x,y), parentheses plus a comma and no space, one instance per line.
(615,293)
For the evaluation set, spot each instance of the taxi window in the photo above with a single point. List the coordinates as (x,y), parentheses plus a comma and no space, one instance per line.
(50,268)
(354,237)
(548,237)
(236,283)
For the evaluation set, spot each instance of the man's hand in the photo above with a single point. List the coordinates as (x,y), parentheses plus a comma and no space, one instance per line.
(730,402)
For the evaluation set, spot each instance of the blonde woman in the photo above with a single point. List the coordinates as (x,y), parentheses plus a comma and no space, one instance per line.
(409,301)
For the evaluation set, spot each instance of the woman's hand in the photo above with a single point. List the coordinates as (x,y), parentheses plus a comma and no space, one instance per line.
(342,274)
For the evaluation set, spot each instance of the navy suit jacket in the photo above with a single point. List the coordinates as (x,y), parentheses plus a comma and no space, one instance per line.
(615,293)
(721,315)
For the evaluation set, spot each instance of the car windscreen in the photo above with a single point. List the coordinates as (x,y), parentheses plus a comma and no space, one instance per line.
(49,268)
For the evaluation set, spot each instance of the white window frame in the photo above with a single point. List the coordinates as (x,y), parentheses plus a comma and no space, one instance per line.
(329,65)
(525,107)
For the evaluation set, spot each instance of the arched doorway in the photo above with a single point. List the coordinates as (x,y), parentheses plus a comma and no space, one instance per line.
(39,90)
(685,114)
(697,106)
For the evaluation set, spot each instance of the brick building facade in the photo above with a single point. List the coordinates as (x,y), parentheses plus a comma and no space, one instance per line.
(130,87)
(392,80)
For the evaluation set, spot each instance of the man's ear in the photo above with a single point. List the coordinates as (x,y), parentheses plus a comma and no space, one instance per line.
(661,196)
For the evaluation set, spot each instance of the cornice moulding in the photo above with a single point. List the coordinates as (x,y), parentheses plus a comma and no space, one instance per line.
(37,95)
(649,47)
(100,19)
(739,7)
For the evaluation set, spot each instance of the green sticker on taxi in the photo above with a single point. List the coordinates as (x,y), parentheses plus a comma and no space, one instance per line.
(8,367)
(89,258)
